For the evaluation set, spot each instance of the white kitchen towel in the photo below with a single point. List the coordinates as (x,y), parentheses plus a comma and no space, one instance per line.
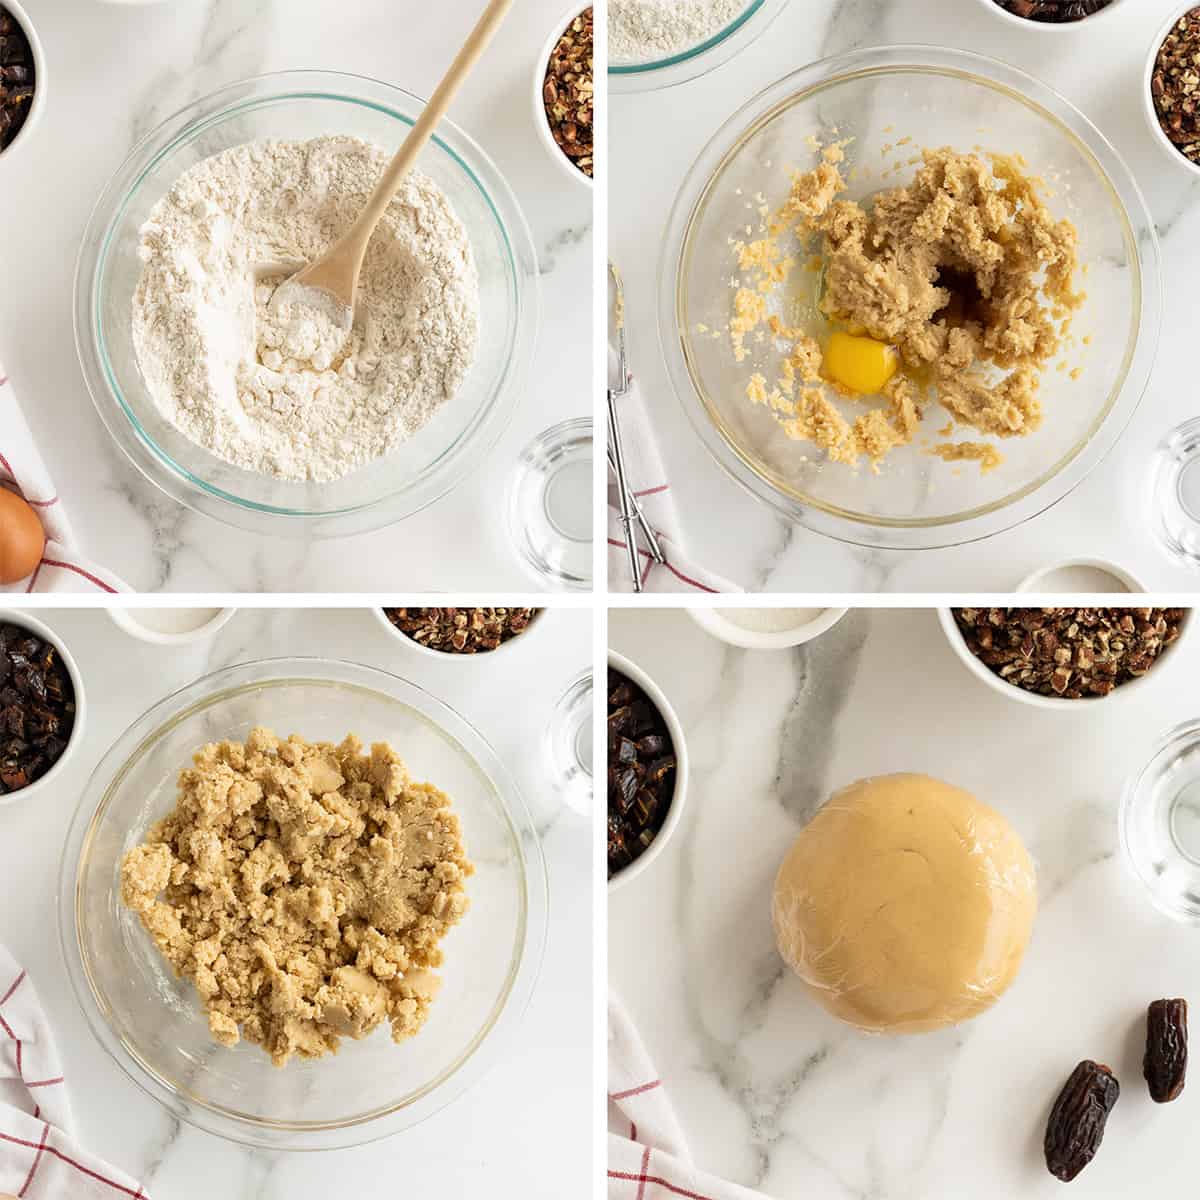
(648,1158)
(649,483)
(39,1160)
(63,568)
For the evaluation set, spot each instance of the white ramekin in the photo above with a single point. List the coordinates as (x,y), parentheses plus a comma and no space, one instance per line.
(540,120)
(122,620)
(1050,26)
(1056,703)
(635,674)
(14,616)
(445,656)
(1148,108)
(39,83)
(1130,582)
(712,622)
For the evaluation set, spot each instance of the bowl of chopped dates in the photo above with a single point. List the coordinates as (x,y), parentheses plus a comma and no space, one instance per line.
(647,770)
(1064,658)
(1169,87)
(564,95)
(459,632)
(41,706)
(22,77)
(1053,15)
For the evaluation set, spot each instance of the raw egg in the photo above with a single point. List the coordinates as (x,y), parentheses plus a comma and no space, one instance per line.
(859,364)
(21,538)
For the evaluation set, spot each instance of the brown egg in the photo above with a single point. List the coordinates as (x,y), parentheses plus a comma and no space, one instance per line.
(21,538)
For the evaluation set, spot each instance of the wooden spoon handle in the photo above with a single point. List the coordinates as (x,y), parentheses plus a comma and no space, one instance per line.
(435,110)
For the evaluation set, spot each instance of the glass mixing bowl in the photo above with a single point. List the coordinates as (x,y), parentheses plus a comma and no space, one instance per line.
(300,105)
(936,97)
(151,1023)
(696,60)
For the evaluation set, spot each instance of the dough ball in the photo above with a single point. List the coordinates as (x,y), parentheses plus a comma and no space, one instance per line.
(905,905)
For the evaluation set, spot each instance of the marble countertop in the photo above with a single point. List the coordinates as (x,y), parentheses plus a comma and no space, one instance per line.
(772,1092)
(113,72)
(1099,70)
(525,1129)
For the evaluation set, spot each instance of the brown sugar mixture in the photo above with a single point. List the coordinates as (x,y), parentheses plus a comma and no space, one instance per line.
(303,888)
(956,287)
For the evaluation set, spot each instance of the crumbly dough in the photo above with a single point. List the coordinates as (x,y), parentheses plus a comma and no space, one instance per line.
(905,905)
(963,270)
(303,888)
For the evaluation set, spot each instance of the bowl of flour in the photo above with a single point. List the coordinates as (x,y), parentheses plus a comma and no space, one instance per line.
(266,416)
(658,43)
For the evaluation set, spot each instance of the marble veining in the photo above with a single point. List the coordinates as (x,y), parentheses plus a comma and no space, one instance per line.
(1099,70)
(775,1094)
(524,1130)
(113,73)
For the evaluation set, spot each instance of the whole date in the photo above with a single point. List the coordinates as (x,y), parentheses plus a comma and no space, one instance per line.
(1076,1125)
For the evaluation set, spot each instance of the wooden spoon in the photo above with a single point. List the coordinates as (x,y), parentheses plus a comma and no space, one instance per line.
(331,283)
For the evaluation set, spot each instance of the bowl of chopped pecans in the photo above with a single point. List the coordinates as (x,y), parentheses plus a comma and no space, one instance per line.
(564,95)
(1065,658)
(1171,87)
(459,633)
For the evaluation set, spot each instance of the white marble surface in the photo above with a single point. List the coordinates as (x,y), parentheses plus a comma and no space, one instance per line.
(523,1131)
(1099,70)
(114,71)
(774,1093)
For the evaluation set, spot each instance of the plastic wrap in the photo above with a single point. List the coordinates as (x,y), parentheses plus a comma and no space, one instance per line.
(905,905)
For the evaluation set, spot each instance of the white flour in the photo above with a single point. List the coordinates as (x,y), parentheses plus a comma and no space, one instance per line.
(646,30)
(285,393)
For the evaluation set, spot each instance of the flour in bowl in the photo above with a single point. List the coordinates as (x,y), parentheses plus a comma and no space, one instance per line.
(284,393)
(641,31)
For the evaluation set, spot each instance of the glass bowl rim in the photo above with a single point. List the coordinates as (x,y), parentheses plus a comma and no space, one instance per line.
(179,129)
(1141,242)
(530,942)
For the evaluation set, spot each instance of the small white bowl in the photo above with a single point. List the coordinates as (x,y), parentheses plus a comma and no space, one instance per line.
(12,616)
(713,622)
(123,620)
(1036,581)
(1051,26)
(540,119)
(1055,703)
(445,655)
(1151,113)
(39,81)
(635,674)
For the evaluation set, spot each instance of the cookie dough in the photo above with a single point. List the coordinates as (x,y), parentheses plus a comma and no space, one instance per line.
(905,905)
(303,888)
(963,271)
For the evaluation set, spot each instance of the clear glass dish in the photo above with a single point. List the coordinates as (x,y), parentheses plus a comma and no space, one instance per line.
(1160,823)
(1175,493)
(296,105)
(697,60)
(569,743)
(151,1023)
(938,97)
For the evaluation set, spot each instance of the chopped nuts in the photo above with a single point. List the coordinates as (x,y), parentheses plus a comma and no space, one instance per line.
(568,92)
(461,630)
(1071,653)
(1175,85)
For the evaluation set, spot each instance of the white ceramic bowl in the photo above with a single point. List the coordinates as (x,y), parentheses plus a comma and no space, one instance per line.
(635,674)
(1049,26)
(25,621)
(1035,581)
(122,619)
(1054,703)
(444,656)
(540,120)
(712,621)
(38,102)
(1148,100)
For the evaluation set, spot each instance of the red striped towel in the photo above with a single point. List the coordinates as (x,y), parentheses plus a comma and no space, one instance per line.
(22,470)
(38,1158)
(648,1158)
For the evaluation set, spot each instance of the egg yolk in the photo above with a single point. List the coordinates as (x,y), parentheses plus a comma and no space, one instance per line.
(859,364)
